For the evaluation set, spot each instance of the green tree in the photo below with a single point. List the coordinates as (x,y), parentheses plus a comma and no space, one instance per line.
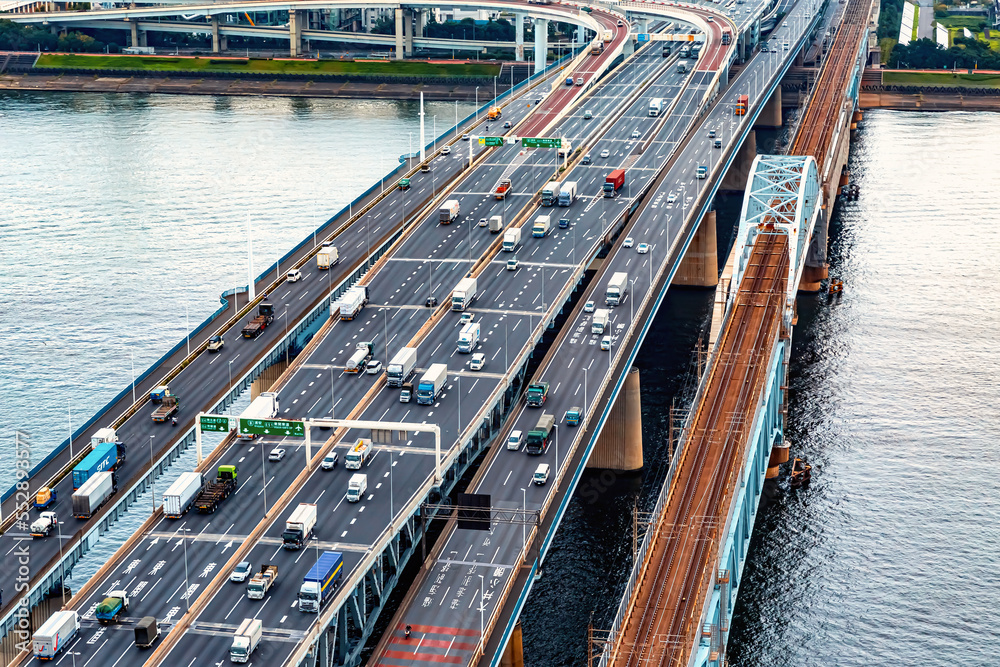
(384,26)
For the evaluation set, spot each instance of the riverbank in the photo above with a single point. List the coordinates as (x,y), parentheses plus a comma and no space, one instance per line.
(927,101)
(100,83)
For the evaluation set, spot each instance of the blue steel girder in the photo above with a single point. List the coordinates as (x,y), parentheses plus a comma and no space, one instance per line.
(783,194)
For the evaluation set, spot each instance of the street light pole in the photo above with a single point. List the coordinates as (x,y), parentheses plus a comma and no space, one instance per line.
(131,355)
(187,585)
(152,481)
(524,521)
(482,609)
(231,385)
(263,475)
(585,390)
(333,398)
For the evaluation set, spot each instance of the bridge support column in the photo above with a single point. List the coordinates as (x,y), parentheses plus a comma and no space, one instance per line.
(513,655)
(134,34)
(408,33)
(770,115)
(421,22)
(643,25)
(541,44)
(399,33)
(738,174)
(215,34)
(700,266)
(779,455)
(519,37)
(619,445)
(295,18)
(580,35)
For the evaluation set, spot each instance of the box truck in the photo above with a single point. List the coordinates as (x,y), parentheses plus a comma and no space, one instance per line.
(550,193)
(55,634)
(401,367)
(496,224)
(146,632)
(352,302)
(181,494)
(617,287)
(431,384)
(567,193)
(327,257)
(468,338)
(246,639)
(264,406)
(356,487)
(655,106)
(511,239)
(299,526)
(464,294)
(359,454)
(602,316)
(321,581)
(103,457)
(542,226)
(94,493)
(613,182)
(448,212)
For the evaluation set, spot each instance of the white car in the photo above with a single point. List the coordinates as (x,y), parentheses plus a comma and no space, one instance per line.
(478,361)
(446,150)
(672,198)
(512,264)
(635,134)
(329,461)
(514,440)
(588,307)
(294,276)
(465,137)
(483,222)
(374,367)
(466,318)
(276,454)
(643,248)
(710,19)
(629,242)
(241,572)
(605,153)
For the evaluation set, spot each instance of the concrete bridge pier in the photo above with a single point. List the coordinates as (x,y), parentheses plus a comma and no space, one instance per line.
(619,444)
(399,34)
(736,178)
(770,115)
(138,37)
(519,37)
(408,32)
(513,655)
(700,266)
(216,44)
(295,19)
(541,44)
(421,22)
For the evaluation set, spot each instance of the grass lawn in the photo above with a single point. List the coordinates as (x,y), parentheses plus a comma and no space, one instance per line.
(209,65)
(916,22)
(970,22)
(942,79)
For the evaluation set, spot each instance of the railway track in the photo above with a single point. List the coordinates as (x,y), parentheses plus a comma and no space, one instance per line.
(661,625)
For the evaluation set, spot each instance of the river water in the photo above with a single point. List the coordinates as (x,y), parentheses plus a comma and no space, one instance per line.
(118,212)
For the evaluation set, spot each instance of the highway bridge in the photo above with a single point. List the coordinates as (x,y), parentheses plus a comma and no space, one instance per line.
(661,205)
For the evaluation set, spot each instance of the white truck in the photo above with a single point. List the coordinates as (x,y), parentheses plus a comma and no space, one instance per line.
(106,434)
(401,367)
(567,147)
(682,65)
(352,302)
(542,227)
(496,224)
(55,634)
(602,316)
(327,257)
(299,526)
(179,496)
(264,406)
(43,525)
(617,287)
(449,212)
(356,487)
(359,454)
(550,193)
(431,384)
(468,338)
(94,493)
(464,294)
(246,639)
(362,353)
(655,106)
(567,193)
(511,239)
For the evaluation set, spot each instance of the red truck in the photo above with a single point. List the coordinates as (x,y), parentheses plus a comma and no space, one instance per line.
(742,102)
(500,192)
(614,182)
(265,315)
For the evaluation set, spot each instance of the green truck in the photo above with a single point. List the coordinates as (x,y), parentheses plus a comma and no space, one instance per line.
(574,416)
(215,492)
(537,393)
(538,437)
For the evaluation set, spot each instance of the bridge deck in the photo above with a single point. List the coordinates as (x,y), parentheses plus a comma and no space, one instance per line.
(660,626)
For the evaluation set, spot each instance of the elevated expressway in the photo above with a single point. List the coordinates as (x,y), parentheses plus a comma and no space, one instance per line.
(213,381)
(421,242)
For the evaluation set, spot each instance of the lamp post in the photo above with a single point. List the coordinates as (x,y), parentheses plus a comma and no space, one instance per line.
(585,390)
(631,303)
(131,355)
(69,409)
(187,586)
(482,610)
(231,385)
(263,476)
(557,448)
(187,330)
(524,521)
(333,397)
(287,344)
(152,481)
(477,104)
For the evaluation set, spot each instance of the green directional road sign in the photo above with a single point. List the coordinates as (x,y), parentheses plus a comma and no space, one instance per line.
(216,423)
(541,142)
(491,141)
(295,429)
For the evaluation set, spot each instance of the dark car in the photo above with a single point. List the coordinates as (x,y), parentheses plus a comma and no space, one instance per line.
(431,302)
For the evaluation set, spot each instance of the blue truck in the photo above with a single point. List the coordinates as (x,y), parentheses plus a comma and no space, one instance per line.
(321,581)
(104,456)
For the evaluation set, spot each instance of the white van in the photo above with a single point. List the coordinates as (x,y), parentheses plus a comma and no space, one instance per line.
(514,440)
(294,276)
(541,474)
